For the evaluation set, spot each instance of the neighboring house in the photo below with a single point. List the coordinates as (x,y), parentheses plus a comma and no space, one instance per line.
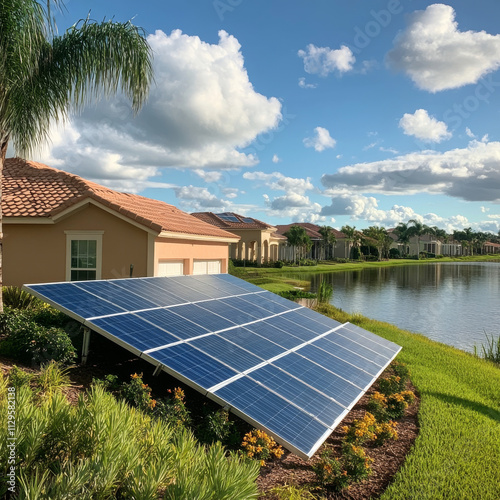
(258,240)
(340,249)
(490,247)
(60,227)
(426,243)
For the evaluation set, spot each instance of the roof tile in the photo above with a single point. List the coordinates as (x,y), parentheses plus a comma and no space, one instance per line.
(32,189)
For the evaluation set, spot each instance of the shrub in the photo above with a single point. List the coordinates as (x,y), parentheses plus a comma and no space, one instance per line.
(52,378)
(394,253)
(216,426)
(391,407)
(369,430)
(308,262)
(337,473)
(355,462)
(101,448)
(297,294)
(259,446)
(330,472)
(18,299)
(391,384)
(173,410)
(27,341)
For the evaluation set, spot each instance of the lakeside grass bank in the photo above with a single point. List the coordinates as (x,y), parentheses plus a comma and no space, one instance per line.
(275,279)
(457,452)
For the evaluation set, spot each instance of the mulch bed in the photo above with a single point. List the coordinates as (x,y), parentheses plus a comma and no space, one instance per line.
(290,469)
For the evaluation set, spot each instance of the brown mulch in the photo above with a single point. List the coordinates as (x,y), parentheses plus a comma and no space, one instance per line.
(290,469)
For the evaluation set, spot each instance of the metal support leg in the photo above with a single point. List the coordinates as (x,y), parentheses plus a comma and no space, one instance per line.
(85,346)
(157,369)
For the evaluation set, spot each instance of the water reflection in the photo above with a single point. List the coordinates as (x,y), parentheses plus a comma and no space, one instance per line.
(454,303)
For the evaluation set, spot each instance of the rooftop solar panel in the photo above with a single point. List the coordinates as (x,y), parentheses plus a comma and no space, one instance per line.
(280,366)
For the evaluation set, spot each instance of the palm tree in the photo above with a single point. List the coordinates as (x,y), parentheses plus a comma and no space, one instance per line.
(353,238)
(328,238)
(402,232)
(298,239)
(418,229)
(379,234)
(44,76)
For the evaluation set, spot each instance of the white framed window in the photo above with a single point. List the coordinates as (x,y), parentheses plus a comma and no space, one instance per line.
(83,255)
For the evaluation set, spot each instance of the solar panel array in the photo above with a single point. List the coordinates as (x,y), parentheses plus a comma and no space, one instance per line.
(280,366)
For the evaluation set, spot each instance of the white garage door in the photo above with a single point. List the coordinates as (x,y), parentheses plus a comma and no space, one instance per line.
(171,268)
(207,267)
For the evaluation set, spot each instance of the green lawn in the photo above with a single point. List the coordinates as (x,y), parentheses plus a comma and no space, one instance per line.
(457,453)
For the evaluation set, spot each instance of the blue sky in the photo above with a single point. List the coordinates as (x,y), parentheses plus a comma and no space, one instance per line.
(364,112)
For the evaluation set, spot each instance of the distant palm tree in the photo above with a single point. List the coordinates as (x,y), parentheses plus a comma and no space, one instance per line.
(418,229)
(44,76)
(298,239)
(329,238)
(353,238)
(403,234)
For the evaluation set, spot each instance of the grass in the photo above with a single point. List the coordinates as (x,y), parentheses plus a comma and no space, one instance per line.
(457,453)
(490,351)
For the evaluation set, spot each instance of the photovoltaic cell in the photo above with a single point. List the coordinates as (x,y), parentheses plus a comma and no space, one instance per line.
(282,367)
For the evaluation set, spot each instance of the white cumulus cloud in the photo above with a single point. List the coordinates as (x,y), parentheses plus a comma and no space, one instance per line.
(424,127)
(324,60)
(279,182)
(471,173)
(437,56)
(201,110)
(321,140)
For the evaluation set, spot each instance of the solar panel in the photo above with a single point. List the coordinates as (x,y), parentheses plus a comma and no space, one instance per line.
(282,367)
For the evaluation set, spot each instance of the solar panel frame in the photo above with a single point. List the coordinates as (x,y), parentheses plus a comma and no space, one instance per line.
(282,336)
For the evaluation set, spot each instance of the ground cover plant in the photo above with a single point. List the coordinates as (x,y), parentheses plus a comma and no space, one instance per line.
(102,448)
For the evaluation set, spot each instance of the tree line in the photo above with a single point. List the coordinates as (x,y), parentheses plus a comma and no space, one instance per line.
(380,238)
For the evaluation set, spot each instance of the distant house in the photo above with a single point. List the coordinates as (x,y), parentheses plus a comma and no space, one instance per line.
(60,227)
(340,249)
(258,240)
(426,243)
(490,247)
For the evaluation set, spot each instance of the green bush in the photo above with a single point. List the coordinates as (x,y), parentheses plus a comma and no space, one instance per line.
(101,448)
(18,299)
(297,294)
(394,253)
(29,342)
(216,426)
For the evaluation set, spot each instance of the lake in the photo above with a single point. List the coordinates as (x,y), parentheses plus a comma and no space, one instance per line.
(453,303)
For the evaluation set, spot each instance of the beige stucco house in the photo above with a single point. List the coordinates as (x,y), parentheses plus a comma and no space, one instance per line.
(60,227)
(340,249)
(258,240)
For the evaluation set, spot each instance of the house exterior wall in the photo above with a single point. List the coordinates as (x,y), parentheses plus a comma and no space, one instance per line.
(36,253)
(189,250)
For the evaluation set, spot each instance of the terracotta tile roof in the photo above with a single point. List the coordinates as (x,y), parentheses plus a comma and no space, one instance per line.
(312,230)
(32,189)
(241,222)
